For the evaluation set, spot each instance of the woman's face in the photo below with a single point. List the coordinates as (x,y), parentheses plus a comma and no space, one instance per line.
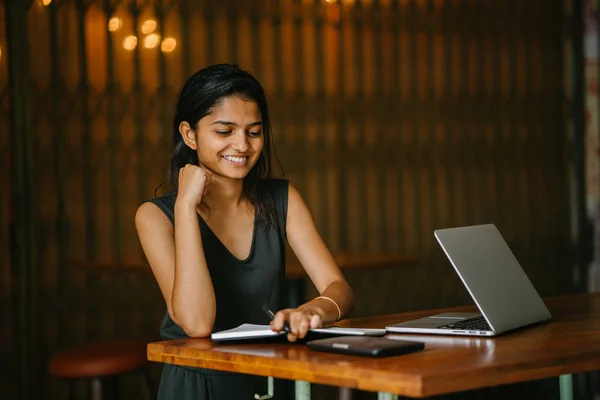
(230,139)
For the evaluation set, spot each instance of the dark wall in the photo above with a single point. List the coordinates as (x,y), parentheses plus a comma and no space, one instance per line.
(393,118)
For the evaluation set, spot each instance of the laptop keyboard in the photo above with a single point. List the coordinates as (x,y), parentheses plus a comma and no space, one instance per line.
(473,324)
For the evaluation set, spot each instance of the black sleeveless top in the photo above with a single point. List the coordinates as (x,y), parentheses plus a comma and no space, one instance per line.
(241,286)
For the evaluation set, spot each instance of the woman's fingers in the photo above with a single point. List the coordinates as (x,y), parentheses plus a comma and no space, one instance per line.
(280,318)
(316,322)
(303,328)
(300,321)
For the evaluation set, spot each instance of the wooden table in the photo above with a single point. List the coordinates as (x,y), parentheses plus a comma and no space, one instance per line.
(568,344)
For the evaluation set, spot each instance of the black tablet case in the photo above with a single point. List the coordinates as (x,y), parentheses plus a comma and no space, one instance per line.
(365,346)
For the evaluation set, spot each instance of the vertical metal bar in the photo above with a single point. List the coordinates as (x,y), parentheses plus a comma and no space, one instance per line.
(115,302)
(7,288)
(211,36)
(486,68)
(508,164)
(321,111)
(417,157)
(495,166)
(358,120)
(482,98)
(449,157)
(256,48)
(464,117)
(138,114)
(113,141)
(25,257)
(342,138)
(59,166)
(381,133)
(430,128)
(186,48)
(581,223)
(299,94)
(86,140)
(397,109)
(232,19)
(529,161)
(558,121)
(276,21)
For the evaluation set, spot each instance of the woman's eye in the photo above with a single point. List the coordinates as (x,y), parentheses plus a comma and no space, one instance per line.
(254,134)
(223,133)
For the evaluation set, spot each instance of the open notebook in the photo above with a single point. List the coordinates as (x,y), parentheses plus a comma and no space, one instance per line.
(252,331)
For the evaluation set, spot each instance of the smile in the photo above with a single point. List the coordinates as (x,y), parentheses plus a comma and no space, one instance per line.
(237,160)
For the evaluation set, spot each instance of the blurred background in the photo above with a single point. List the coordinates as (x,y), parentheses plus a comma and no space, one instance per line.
(392,117)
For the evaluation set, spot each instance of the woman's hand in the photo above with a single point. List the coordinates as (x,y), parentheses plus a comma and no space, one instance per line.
(299,320)
(193,183)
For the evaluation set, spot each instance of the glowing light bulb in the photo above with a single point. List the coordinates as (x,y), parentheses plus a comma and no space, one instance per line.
(148,26)
(168,45)
(114,24)
(130,42)
(46,3)
(151,41)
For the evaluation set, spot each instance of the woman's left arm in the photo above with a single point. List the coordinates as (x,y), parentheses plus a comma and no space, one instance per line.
(335,298)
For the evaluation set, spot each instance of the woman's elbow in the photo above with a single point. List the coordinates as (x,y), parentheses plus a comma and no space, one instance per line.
(194,329)
(197,332)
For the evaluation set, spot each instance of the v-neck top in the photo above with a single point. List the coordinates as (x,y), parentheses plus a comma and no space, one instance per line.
(241,286)
(203,224)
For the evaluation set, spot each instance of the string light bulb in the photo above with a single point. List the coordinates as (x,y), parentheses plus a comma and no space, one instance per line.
(148,26)
(130,42)
(114,24)
(151,41)
(46,3)
(168,45)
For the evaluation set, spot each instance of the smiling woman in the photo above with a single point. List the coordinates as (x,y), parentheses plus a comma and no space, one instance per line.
(216,244)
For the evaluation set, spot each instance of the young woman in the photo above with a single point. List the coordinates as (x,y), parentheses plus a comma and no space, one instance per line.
(216,244)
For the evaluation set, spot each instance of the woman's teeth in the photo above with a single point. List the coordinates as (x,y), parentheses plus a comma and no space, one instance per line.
(235,159)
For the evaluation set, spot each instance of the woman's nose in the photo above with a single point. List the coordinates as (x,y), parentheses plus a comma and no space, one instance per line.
(240,142)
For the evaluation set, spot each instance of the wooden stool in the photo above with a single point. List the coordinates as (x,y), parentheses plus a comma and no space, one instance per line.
(102,361)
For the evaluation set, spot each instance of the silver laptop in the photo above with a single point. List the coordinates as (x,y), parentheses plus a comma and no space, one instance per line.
(489,270)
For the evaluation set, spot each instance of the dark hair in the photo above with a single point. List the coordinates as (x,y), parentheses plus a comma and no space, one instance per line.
(199,95)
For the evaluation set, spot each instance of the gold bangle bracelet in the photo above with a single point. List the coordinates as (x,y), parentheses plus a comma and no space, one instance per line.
(336,305)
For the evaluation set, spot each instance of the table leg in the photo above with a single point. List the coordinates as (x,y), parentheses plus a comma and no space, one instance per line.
(345,393)
(388,396)
(270,390)
(302,390)
(565,383)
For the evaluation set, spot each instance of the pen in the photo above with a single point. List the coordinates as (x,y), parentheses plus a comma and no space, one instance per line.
(271,314)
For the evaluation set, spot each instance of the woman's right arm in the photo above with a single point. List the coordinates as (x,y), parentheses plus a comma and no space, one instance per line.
(177,259)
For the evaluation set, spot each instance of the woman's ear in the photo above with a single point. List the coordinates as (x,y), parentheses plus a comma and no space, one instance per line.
(188,134)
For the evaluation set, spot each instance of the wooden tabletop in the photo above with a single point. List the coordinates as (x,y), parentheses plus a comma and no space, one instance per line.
(569,343)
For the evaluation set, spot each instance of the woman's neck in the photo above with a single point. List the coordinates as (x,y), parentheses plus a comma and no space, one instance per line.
(223,194)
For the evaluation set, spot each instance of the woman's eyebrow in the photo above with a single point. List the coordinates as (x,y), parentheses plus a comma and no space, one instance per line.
(224,123)
(229,123)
